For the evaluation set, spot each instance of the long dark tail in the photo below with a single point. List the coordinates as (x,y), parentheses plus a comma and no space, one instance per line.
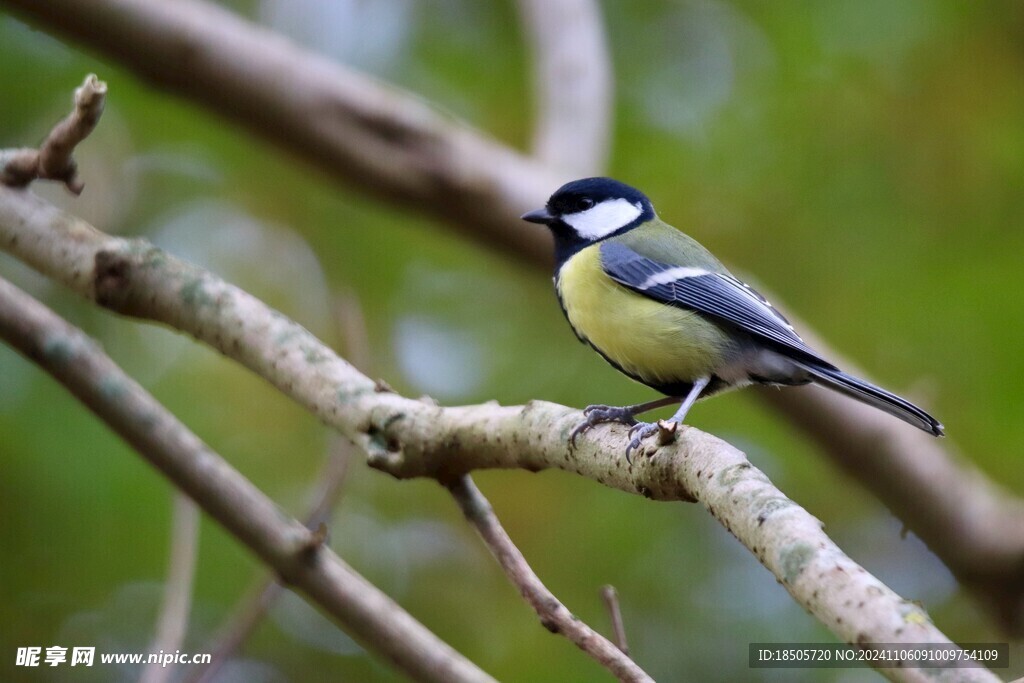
(874,396)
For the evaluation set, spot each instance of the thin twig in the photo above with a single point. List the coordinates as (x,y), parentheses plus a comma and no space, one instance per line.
(410,438)
(572,84)
(384,140)
(611,601)
(351,325)
(295,553)
(173,622)
(257,601)
(53,160)
(553,614)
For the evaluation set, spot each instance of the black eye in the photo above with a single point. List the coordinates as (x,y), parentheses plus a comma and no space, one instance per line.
(584,203)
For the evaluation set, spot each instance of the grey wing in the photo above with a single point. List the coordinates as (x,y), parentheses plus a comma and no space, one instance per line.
(717,295)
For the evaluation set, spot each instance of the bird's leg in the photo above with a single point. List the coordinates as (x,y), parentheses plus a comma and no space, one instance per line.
(641,430)
(600,414)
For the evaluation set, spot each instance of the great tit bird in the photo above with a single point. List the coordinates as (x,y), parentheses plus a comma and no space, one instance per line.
(664,311)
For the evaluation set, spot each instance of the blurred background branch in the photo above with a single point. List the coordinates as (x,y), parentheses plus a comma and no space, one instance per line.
(247,614)
(367,133)
(554,616)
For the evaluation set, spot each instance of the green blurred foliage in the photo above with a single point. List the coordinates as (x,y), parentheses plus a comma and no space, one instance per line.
(862,159)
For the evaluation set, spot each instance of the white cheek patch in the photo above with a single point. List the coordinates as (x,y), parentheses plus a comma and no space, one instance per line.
(603,219)
(671,275)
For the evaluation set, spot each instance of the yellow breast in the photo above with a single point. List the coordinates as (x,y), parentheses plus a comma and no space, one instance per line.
(653,342)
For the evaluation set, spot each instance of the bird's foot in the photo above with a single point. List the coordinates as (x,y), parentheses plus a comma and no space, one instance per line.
(665,429)
(601,414)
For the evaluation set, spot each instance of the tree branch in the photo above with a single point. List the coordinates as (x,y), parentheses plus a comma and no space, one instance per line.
(258,600)
(572,84)
(396,146)
(53,160)
(374,136)
(284,544)
(254,605)
(553,614)
(611,601)
(410,438)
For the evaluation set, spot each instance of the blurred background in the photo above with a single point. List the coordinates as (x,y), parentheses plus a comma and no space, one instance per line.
(864,158)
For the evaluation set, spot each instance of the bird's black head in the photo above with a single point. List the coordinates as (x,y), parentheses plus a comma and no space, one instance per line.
(589,210)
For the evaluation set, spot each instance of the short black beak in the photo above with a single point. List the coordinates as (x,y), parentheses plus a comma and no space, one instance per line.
(541,216)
